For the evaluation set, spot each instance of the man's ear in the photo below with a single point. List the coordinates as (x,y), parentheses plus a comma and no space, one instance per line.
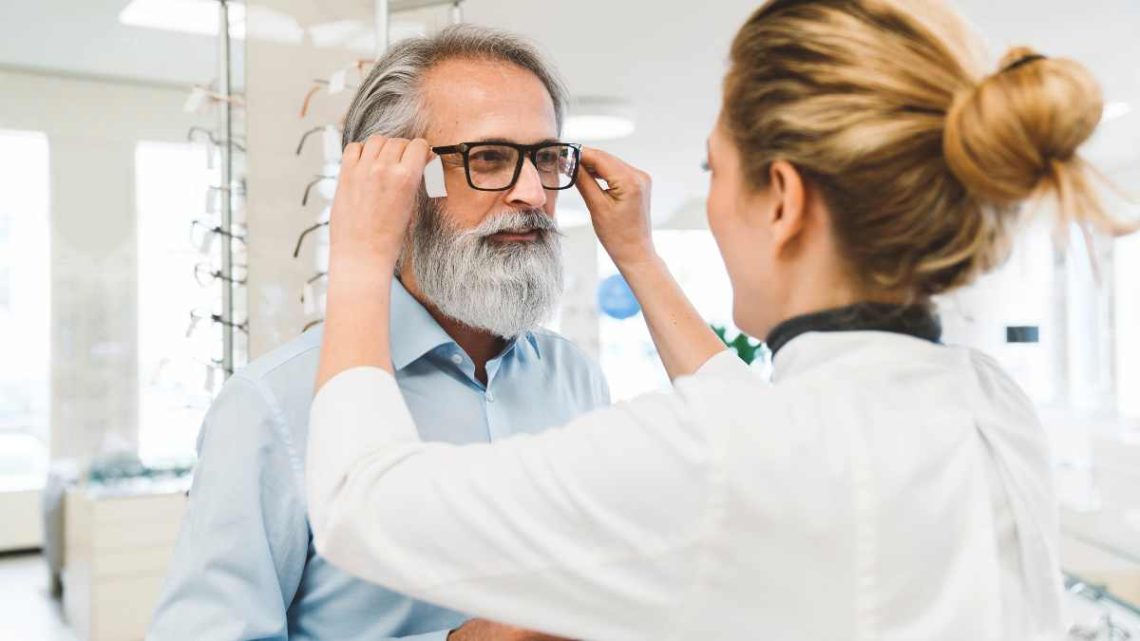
(788,215)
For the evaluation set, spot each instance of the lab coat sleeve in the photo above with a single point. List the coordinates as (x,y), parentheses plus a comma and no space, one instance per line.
(589,531)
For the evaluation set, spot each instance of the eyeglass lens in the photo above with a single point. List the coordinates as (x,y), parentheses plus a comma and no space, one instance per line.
(493,167)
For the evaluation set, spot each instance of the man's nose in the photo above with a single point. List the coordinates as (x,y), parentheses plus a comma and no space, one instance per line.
(528,191)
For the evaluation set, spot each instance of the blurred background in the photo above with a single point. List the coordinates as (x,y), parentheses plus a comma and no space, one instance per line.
(163,184)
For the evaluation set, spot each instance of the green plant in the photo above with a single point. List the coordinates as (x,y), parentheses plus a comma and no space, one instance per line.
(747,349)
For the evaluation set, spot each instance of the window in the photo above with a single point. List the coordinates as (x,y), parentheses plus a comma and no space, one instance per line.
(25,305)
(176,380)
(627,354)
(1126,256)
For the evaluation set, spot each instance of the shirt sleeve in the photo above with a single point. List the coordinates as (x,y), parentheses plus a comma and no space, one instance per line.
(588,531)
(244,540)
(601,386)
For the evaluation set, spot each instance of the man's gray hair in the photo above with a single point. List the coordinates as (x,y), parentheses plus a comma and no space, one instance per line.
(389,101)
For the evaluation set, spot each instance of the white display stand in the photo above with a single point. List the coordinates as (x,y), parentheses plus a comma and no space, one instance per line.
(118,547)
(22,527)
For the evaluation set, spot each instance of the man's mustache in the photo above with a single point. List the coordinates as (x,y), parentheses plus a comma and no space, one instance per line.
(516,221)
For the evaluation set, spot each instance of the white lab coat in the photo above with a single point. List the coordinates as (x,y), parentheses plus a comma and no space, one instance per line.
(881,488)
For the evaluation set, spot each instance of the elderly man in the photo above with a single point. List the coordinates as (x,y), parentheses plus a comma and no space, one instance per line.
(481,269)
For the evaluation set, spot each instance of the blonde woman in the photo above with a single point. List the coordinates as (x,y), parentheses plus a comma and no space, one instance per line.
(884,486)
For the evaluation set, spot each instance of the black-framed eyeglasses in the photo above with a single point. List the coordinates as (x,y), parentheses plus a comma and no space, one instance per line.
(496,166)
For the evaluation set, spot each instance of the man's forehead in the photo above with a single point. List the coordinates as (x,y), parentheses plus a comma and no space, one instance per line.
(479,100)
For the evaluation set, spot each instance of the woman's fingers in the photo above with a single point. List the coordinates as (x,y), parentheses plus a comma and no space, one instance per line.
(609,168)
(392,151)
(621,213)
(591,191)
(417,153)
(351,154)
(375,200)
(372,147)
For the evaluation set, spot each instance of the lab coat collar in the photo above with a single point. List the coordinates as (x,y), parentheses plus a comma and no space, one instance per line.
(918,321)
(816,349)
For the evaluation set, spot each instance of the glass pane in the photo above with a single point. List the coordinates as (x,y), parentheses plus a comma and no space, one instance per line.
(556,166)
(492,166)
(1127,309)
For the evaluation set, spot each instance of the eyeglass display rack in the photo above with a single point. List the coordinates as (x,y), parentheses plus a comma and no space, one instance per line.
(225,229)
(324,182)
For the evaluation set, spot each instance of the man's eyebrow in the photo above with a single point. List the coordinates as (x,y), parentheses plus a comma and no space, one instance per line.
(502,141)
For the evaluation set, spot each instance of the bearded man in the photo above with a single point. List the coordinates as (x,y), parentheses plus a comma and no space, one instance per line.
(481,269)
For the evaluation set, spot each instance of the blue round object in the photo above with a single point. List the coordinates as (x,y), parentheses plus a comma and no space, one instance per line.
(616,299)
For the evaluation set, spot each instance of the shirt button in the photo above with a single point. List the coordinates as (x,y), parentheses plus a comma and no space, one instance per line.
(457,359)
(489,396)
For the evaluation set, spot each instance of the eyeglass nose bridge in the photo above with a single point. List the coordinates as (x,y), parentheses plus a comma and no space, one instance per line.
(532,156)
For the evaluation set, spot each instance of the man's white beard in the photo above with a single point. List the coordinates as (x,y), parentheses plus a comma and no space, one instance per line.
(503,288)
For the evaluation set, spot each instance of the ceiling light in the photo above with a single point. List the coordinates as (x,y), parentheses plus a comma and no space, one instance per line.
(335,34)
(201,18)
(593,119)
(186,16)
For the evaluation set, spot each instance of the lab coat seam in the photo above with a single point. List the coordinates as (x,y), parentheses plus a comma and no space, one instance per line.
(977,361)
(866,557)
(713,513)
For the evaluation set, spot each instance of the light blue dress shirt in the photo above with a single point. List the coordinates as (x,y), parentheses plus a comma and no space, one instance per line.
(244,566)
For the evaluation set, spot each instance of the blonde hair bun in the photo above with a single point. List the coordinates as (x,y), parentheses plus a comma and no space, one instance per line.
(921,159)
(1016,135)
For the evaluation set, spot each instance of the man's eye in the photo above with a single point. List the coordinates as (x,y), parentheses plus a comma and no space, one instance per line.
(489,157)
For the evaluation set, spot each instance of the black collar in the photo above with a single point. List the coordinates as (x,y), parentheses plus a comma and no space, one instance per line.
(918,321)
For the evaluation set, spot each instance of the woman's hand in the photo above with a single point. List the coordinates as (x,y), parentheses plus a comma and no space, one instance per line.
(621,219)
(620,213)
(370,214)
(374,199)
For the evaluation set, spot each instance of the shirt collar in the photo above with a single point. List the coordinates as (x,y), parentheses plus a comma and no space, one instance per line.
(415,332)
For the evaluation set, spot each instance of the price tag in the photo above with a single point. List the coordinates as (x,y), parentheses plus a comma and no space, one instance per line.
(331,143)
(338,81)
(193,325)
(207,242)
(309,298)
(194,100)
(433,179)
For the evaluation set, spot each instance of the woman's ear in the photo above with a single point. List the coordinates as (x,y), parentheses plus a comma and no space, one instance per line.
(788,216)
